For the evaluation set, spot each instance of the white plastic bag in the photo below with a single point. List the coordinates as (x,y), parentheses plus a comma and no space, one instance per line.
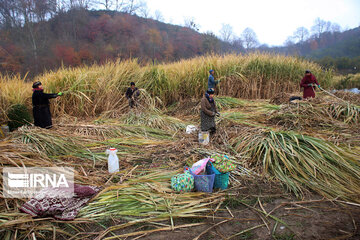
(204,137)
(190,129)
(113,160)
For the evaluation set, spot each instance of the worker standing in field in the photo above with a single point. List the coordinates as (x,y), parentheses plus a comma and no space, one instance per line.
(211,81)
(131,96)
(309,83)
(41,105)
(208,112)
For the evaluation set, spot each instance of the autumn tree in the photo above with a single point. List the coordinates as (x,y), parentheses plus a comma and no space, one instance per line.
(210,43)
(155,41)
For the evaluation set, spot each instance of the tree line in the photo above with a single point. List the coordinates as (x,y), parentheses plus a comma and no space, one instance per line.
(39,35)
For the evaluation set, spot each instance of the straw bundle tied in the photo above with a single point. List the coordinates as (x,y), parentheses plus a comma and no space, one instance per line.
(300,161)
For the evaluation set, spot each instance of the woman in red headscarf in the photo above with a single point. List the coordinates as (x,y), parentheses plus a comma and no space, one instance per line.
(308,83)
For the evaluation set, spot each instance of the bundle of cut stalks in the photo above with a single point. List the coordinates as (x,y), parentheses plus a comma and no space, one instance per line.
(153,120)
(148,199)
(300,161)
(349,96)
(280,98)
(345,112)
(225,102)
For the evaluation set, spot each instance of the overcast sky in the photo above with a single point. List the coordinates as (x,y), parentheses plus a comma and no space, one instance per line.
(272,20)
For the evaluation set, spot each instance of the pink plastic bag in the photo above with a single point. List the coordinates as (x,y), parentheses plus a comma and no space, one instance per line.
(199,165)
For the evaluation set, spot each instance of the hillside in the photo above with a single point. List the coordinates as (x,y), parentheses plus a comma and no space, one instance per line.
(82,37)
(346,44)
(78,37)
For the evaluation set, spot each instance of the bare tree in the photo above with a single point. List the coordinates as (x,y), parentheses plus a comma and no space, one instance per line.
(249,38)
(9,14)
(107,4)
(335,28)
(226,32)
(159,16)
(144,11)
(44,9)
(319,27)
(289,41)
(190,23)
(301,34)
(328,26)
(237,44)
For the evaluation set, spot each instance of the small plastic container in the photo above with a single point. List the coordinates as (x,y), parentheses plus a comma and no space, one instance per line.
(204,137)
(221,179)
(4,131)
(203,183)
(113,160)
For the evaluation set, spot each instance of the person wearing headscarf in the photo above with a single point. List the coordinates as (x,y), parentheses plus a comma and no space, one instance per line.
(309,83)
(131,96)
(211,81)
(41,105)
(208,112)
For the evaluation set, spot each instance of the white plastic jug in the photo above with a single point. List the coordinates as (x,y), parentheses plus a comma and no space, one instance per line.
(113,160)
(204,137)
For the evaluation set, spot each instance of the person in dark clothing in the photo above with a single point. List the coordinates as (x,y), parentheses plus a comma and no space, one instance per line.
(308,83)
(41,106)
(211,81)
(208,112)
(131,96)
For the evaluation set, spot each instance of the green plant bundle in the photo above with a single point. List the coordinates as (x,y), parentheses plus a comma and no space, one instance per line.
(345,112)
(224,102)
(153,120)
(302,161)
(148,198)
(18,116)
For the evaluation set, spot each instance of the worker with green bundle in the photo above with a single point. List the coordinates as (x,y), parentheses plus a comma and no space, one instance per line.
(41,105)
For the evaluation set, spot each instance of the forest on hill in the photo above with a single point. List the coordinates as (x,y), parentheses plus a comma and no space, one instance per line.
(34,38)
(41,35)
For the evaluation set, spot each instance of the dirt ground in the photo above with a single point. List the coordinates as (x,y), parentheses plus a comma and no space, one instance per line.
(258,208)
(284,217)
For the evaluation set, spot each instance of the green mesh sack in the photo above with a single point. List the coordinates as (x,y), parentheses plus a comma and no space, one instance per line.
(183,182)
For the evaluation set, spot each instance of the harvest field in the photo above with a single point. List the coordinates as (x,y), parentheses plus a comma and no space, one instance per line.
(298,169)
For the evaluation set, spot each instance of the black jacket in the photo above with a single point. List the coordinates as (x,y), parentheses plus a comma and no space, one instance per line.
(130,92)
(41,98)
(41,108)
